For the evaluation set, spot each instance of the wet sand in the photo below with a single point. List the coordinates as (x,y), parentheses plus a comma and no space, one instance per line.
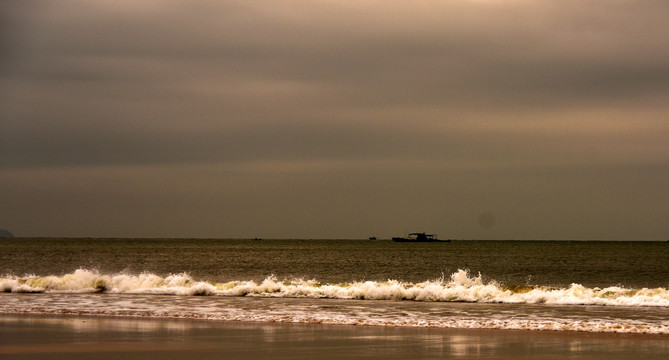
(76,337)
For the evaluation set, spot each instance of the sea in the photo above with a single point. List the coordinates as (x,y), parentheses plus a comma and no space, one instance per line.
(566,286)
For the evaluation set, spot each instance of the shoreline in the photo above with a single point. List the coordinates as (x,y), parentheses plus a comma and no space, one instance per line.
(205,322)
(105,337)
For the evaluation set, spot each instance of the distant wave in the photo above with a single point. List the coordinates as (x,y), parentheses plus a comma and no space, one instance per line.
(459,287)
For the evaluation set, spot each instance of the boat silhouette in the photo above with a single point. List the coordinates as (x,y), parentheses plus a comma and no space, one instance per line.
(419,237)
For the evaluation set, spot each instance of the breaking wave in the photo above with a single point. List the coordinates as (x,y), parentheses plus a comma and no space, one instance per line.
(459,287)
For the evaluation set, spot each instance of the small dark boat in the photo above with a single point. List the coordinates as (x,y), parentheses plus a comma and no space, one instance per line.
(419,237)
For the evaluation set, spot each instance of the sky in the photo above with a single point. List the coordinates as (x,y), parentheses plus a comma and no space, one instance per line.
(470,119)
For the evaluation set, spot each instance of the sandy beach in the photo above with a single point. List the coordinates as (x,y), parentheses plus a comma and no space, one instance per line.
(76,337)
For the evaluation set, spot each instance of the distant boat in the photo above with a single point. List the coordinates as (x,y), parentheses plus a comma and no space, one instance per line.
(419,237)
(372,238)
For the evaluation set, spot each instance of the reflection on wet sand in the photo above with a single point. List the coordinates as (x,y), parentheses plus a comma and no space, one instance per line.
(104,338)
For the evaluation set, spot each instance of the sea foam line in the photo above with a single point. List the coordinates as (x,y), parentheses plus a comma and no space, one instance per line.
(460,287)
(311,317)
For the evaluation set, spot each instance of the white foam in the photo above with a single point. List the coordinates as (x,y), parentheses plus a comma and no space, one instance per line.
(316,316)
(461,287)
(67,294)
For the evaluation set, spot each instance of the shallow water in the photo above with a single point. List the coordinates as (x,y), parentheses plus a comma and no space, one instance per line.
(647,320)
(113,338)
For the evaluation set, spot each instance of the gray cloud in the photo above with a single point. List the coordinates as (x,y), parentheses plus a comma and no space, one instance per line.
(508,92)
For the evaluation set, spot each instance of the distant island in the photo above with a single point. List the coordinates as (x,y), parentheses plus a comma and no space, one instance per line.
(6,234)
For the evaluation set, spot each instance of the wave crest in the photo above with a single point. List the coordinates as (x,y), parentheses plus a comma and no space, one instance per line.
(460,287)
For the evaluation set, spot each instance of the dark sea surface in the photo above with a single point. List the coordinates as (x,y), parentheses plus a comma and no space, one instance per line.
(595,286)
(553,263)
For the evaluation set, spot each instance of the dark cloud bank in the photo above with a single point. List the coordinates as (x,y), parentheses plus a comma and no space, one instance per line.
(328,119)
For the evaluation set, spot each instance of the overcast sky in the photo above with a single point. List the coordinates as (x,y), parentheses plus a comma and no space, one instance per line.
(471,119)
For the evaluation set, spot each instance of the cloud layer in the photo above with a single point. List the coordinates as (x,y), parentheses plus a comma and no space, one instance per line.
(328,119)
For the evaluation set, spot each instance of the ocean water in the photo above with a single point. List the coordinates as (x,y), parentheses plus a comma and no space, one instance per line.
(598,286)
